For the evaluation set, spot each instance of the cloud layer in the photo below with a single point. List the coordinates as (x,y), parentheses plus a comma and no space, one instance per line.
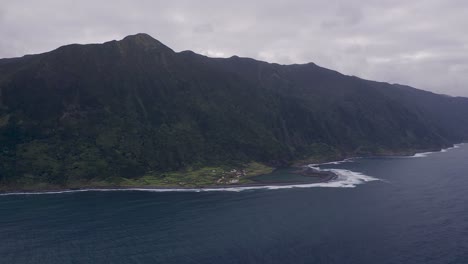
(422,43)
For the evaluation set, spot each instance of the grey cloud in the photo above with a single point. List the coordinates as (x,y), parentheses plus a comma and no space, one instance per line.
(422,43)
(203,28)
(345,15)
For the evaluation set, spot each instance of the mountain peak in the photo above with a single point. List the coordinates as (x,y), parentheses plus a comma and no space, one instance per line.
(143,40)
(140,37)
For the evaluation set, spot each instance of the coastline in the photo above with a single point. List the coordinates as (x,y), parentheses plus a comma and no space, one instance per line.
(404,153)
(324,176)
(307,170)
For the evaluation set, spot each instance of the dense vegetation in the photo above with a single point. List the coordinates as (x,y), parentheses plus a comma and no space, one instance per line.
(134,107)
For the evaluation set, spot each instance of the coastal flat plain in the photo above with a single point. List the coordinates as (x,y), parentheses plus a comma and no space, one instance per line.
(413,211)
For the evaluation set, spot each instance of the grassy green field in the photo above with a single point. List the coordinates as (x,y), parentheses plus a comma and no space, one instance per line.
(206,176)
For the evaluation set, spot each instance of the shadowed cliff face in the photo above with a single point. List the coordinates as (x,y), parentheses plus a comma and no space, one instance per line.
(127,107)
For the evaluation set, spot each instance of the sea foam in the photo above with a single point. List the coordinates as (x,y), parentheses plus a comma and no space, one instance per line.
(425,154)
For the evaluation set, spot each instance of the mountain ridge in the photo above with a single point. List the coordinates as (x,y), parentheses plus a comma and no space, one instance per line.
(133,107)
(149,40)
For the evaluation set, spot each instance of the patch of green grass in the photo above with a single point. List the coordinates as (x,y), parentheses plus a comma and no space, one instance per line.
(202,177)
(254,169)
(4,120)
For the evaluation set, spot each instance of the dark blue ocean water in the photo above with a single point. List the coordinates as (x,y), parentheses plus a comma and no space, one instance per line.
(416,213)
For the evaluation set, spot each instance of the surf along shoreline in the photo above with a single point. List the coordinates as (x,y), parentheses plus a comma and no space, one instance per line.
(307,170)
(322,176)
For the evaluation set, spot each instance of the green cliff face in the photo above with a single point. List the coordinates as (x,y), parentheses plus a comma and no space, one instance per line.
(134,107)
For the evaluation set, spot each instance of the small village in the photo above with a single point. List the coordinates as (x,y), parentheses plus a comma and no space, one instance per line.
(231,177)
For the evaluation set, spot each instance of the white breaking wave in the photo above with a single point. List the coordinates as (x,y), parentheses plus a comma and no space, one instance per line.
(337,162)
(425,154)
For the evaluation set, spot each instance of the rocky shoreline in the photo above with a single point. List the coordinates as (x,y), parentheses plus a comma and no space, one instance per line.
(322,176)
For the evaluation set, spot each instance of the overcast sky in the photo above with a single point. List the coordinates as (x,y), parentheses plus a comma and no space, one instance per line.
(422,43)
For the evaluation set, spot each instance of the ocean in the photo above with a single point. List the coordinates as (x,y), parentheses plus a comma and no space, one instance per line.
(378,210)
